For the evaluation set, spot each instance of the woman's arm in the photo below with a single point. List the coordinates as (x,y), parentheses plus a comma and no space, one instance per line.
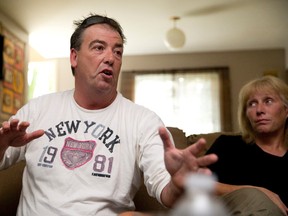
(222,189)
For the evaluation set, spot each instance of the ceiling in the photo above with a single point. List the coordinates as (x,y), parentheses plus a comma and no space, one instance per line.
(209,25)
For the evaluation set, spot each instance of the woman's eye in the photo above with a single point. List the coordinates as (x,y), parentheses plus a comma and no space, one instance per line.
(269,101)
(252,104)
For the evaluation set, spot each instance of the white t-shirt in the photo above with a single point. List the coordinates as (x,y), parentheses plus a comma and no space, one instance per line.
(88,162)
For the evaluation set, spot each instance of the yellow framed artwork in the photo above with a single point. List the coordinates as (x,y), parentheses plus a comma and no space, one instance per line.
(12,85)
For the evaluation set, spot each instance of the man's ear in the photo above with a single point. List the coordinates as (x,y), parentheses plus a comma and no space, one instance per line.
(73,57)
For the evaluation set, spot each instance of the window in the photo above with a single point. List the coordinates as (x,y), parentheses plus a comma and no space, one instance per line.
(41,78)
(193,100)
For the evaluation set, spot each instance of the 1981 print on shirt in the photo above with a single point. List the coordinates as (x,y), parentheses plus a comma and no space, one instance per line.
(76,153)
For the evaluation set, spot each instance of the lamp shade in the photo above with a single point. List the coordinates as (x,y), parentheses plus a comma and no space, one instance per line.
(175,37)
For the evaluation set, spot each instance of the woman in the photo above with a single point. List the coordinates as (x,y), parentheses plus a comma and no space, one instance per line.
(251,168)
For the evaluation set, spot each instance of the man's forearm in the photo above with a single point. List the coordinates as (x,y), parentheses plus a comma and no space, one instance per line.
(170,194)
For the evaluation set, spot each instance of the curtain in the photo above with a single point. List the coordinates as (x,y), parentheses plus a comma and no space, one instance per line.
(195,100)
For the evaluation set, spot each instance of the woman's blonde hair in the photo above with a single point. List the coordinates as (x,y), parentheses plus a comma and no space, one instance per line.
(267,84)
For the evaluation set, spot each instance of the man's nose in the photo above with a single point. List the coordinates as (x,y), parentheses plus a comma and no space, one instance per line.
(109,57)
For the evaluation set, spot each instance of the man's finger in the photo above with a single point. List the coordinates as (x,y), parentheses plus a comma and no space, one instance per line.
(204,171)
(34,135)
(165,138)
(207,160)
(13,124)
(197,147)
(23,126)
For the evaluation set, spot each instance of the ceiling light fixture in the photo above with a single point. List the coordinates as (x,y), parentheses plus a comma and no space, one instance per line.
(175,37)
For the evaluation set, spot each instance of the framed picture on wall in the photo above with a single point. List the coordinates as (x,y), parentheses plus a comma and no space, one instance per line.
(1,55)
(12,82)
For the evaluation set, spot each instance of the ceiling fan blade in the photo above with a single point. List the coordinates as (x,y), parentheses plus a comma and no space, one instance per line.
(213,9)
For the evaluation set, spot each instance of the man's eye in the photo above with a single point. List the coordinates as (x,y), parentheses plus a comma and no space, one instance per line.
(98,47)
(119,53)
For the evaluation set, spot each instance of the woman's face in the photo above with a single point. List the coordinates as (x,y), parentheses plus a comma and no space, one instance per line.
(266,112)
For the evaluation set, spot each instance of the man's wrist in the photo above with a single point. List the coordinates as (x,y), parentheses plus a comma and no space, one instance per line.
(170,194)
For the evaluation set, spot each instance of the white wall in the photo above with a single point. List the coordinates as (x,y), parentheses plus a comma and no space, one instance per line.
(65,77)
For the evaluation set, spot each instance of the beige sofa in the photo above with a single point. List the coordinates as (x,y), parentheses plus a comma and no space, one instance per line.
(10,179)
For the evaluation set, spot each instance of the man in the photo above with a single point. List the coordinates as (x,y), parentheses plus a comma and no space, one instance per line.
(93,144)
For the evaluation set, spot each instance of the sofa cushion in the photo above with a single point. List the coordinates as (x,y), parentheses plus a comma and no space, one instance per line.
(209,137)
(179,137)
(10,189)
